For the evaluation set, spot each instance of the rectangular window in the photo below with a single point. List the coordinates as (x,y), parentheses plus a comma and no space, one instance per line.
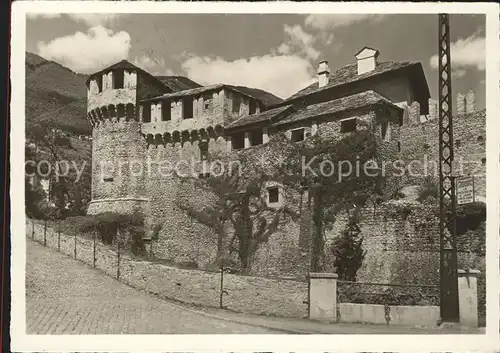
(273,194)
(118,79)
(253,107)
(187,108)
(236,104)
(99,83)
(146,113)
(348,125)
(297,135)
(238,141)
(256,137)
(165,111)
(207,101)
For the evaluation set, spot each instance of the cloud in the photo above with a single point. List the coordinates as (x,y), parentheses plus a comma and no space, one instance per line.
(93,19)
(459,73)
(282,75)
(90,19)
(152,65)
(325,22)
(468,53)
(297,40)
(35,15)
(284,71)
(87,52)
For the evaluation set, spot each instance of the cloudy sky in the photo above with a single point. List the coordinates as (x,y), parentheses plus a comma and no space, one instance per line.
(278,53)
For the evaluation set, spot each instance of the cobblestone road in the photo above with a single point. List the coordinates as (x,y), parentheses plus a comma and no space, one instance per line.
(64,296)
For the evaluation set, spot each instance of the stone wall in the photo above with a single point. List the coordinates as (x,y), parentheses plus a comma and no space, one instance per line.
(420,148)
(247,294)
(118,158)
(402,243)
(184,239)
(202,118)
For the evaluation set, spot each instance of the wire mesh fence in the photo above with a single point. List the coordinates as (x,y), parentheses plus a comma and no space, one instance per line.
(218,287)
(223,287)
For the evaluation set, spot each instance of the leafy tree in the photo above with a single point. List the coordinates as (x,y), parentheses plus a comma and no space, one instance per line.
(239,202)
(112,227)
(68,193)
(348,251)
(333,191)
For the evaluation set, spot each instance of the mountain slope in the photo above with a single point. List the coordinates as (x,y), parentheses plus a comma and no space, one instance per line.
(55,93)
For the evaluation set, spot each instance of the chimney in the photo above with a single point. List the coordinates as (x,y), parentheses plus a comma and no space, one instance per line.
(414,116)
(433,105)
(367,60)
(470,102)
(323,73)
(460,103)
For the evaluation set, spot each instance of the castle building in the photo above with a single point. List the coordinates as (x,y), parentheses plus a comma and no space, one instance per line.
(140,121)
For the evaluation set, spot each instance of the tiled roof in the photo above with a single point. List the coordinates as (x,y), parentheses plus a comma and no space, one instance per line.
(187,92)
(349,74)
(359,100)
(178,83)
(249,92)
(268,99)
(255,118)
(125,64)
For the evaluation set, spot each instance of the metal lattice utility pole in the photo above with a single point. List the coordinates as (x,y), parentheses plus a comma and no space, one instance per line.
(447,198)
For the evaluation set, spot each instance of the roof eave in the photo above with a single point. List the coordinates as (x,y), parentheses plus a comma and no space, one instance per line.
(134,67)
(348,109)
(268,121)
(327,88)
(209,88)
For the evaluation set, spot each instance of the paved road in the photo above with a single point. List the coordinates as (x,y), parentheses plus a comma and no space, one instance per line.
(64,296)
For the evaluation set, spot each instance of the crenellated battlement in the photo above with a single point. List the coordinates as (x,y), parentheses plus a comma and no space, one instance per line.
(186,136)
(112,112)
(465,104)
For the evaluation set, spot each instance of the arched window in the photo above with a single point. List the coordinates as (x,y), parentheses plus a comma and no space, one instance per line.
(120,110)
(112,111)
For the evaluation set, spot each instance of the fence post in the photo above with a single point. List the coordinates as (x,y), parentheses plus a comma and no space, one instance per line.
(118,260)
(58,240)
(322,304)
(45,232)
(467,295)
(74,231)
(94,249)
(32,229)
(221,283)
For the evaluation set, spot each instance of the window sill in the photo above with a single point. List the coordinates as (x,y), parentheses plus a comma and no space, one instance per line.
(275,204)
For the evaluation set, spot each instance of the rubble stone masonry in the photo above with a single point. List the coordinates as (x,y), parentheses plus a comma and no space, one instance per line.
(401,237)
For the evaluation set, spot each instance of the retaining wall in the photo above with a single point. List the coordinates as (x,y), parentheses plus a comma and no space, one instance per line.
(426,316)
(254,295)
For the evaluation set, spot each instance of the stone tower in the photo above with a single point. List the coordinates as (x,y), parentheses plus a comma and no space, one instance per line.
(118,147)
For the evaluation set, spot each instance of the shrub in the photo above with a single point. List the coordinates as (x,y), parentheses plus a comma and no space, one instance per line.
(470,217)
(109,225)
(189,265)
(62,141)
(427,190)
(348,252)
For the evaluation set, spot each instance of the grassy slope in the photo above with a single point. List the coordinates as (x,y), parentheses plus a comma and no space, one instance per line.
(55,93)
